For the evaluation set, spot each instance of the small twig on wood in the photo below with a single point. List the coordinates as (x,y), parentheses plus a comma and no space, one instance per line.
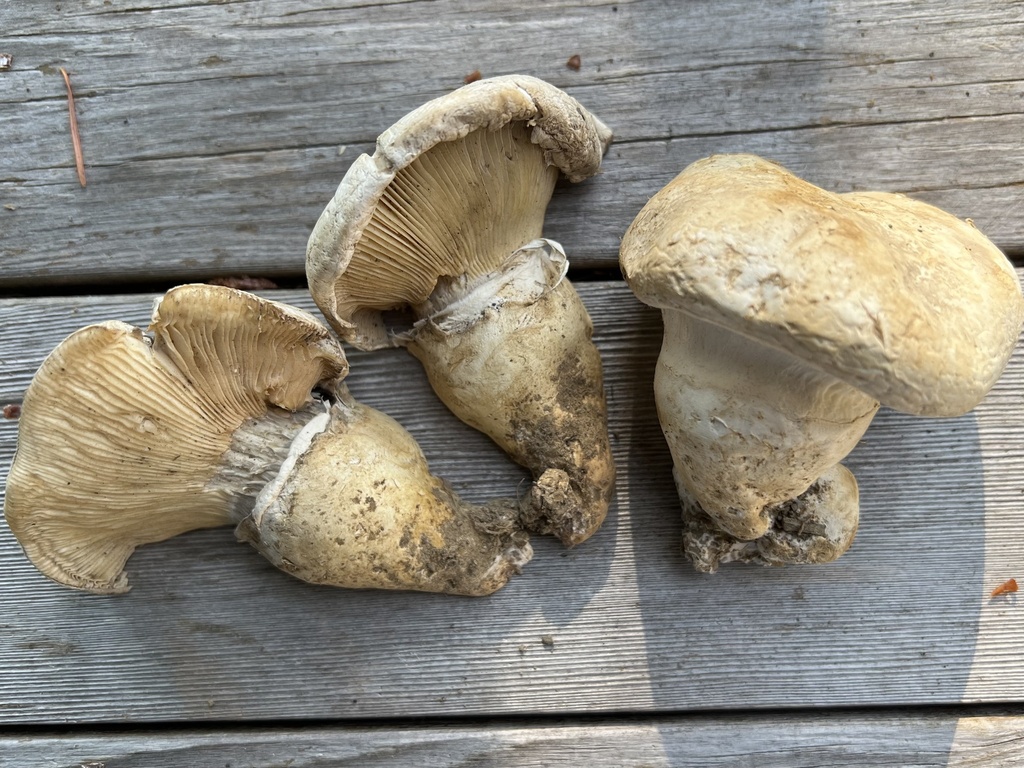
(76,142)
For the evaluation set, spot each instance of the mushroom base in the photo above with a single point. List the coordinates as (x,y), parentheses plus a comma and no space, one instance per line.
(356,506)
(749,427)
(514,359)
(816,527)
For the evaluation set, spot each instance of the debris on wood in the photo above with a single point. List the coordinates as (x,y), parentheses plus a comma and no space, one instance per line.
(244,283)
(12,411)
(1005,588)
(10,207)
(548,641)
(76,141)
(6,61)
(472,77)
(574,63)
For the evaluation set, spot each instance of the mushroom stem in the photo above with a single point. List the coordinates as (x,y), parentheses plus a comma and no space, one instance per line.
(750,430)
(512,356)
(356,506)
(259,448)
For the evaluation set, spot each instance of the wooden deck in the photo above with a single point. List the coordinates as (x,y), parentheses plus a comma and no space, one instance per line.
(215,132)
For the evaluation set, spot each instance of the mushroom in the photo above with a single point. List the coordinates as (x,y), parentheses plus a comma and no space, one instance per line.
(790,313)
(234,412)
(445,219)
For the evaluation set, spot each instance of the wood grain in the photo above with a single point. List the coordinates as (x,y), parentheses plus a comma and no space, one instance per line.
(213,131)
(213,632)
(897,739)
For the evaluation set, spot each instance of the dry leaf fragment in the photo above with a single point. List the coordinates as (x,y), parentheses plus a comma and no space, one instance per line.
(574,63)
(472,77)
(76,141)
(6,61)
(12,411)
(1005,588)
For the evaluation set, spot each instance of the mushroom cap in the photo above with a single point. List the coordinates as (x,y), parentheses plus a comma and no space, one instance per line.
(904,301)
(459,211)
(121,437)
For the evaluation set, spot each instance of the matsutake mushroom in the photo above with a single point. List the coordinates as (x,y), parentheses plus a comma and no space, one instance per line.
(234,412)
(790,313)
(445,219)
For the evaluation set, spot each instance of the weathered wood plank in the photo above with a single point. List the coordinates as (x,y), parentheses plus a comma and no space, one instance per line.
(211,631)
(212,130)
(897,739)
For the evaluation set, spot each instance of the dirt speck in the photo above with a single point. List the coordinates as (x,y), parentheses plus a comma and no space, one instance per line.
(472,77)
(574,63)
(55,648)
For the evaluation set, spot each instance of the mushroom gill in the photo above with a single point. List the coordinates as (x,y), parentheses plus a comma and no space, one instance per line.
(455,212)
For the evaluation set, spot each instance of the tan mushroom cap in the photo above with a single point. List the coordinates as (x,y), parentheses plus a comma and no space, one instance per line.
(904,301)
(120,437)
(453,188)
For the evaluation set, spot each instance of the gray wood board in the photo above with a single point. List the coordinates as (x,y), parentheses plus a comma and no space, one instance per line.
(212,131)
(898,739)
(212,631)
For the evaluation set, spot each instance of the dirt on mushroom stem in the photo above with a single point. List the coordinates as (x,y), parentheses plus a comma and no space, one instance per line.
(569,442)
(801,530)
(529,376)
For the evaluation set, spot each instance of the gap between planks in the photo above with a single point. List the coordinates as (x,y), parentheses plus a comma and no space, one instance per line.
(898,738)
